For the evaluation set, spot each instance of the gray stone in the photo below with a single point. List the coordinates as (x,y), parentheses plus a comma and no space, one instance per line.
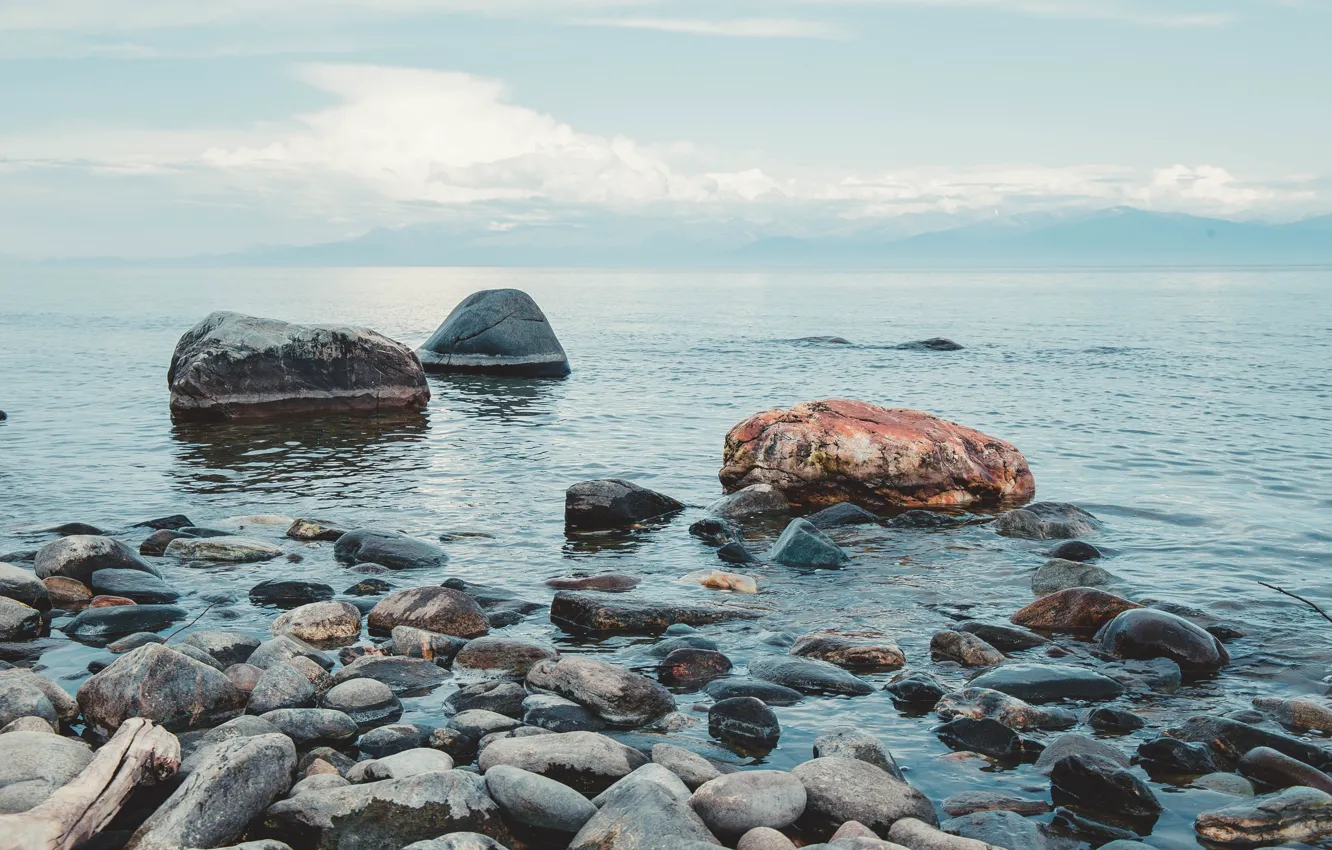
(283,648)
(309,725)
(1002,636)
(457,841)
(19,698)
(412,642)
(649,773)
(162,685)
(750,501)
(802,544)
(559,714)
(1046,521)
(770,693)
(232,366)
(18,621)
(745,722)
(289,593)
(692,768)
(122,645)
(233,784)
(999,829)
(738,802)
(501,697)
(807,675)
(23,586)
(1056,575)
(321,623)
(67,710)
(496,331)
(227,647)
(281,686)
(366,701)
(401,674)
(437,609)
(970,802)
(533,800)
(34,765)
(401,765)
(618,696)
(391,549)
(1145,634)
(1048,682)
(79,556)
(918,835)
(591,612)
(222,550)
(841,514)
(1010,711)
(1074,744)
(478,723)
(389,814)
(764,838)
(841,789)
(1295,815)
(852,743)
(614,503)
(318,782)
(395,738)
(964,648)
(99,626)
(502,656)
(585,761)
(642,816)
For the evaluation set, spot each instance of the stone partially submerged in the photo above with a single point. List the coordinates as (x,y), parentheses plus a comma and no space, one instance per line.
(232,366)
(823,452)
(498,332)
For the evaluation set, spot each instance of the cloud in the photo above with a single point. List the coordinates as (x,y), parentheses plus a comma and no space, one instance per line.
(1143,14)
(734,28)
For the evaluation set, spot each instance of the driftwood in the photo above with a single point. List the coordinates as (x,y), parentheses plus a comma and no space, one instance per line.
(138,754)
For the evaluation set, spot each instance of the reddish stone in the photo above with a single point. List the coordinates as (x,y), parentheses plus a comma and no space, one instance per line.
(1078,609)
(824,452)
(109,601)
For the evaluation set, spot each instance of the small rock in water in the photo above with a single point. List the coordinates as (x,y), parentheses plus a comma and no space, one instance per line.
(226,647)
(98,626)
(1075,550)
(314,529)
(1231,739)
(915,689)
(558,714)
(721,580)
(1114,720)
(736,553)
(850,742)
(289,593)
(503,656)
(1048,682)
(229,550)
(412,642)
(497,332)
(605,582)
(280,686)
(970,802)
(610,503)
(807,675)
(502,697)
(965,648)
(67,593)
(1002,636)
(1297,713)
(688,666)
(156,543)
(283,648)
(308,726)
(175,522)
(717,531)
(744,721)
(978,703)
(918,520)
(754,500)
(1056,575)
(1173,756)
(998,829)
(985,736)
(437,609)
(1046,521)
(936,343)
(1078,609)
(616,695)
(853,651)
(404,676)
(1102,785)
(1266,765)
(390,549)
(1225,783)
(1293,816)
(840,514)
(583,612)
(692,768)
(1072,744)
(320,622)
(369,587)
(104,601)
(79,556)
(772,694)
(802,544)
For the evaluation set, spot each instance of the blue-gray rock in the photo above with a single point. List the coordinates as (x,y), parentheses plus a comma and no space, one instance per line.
(770,693)
(558,714)
(754,500)
(289,593)
(915,689)
(81,555)
(804,545)
(807,675)
(390,549)
(404,676)
(585,761)
(23,586)
(231,366)
(738,802)
(717,531)
(1099,784)
(1074,744)
(498,332)
(618,696)
(35,764)
(1046,521)
(367,701)
(100,626)
(841,789)
(643,816)
(533,800)
(1075,550)
(1048,682)
(852,743)
(227,647)
(144,588)
(18,621)
(745,722)
(1002,636)
(157,683)
(281,686)
(934,343)
(1056,575)
(306,726)
(284,648)
(840,514)
(998,829)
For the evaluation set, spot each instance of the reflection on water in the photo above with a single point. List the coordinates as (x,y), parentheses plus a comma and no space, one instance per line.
(525,401)
(305,455)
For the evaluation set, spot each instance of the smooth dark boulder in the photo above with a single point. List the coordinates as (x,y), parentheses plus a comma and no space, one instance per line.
(840,514)
(1076,609)
(916,690)
(500,696)
(558,714)
(608,503)
(595,612)
(289,593)
(144,588)
(736,553)
(919,520)
(807,675)
(1075,550)
(162,685)
(308,726)
(1101,785)
(497,332)
(1173,756)
(232,366)
(1002,636)
(1114,720)
(99,626)
(745,722)
(717,531)
(934,343)
(175,522)
(768,692)
(156,543)
(1266,765)
(692,667)
(401,674)
(1231,739)
(502,656)
(604,582)
(79,556)
(1146,633)
(390,549)
(985,736)
(1048,682)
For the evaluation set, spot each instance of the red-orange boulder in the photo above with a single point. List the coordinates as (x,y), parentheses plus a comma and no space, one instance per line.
(823,452)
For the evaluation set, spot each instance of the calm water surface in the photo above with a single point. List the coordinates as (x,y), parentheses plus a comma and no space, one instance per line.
(1191,410)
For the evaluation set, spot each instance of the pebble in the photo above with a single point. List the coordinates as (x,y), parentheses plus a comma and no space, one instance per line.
(965,648)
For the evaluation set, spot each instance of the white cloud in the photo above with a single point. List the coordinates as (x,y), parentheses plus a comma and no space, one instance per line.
(734,28)
(1129,11)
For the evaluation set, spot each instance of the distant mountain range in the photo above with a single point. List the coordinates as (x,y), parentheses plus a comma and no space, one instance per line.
(1120,236)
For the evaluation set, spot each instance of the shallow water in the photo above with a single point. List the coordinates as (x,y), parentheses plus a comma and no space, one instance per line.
(1190,410)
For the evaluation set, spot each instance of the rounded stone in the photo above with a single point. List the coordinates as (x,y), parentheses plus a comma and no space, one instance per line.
(80,555)
(320,622)
(437,609)
(745,722)
(365,701)
(502,656)
(23,586)
(841,789)
(738,802)
(536,801)
(496,331)
(1147,633)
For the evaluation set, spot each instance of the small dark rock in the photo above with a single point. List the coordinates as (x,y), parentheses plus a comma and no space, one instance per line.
(843,513)
(1101,785)
(614,503)
(1173,756)
(716,531)
(289,593)
(768,692)
(985,736)
(695,667)
(746,722)
(175,522)
(1075,550)
(390,549)
(1002,636)
(916,689)
(736,553)
(1114,720)
(936,343)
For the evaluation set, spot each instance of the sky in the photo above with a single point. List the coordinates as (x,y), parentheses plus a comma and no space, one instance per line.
(145,128)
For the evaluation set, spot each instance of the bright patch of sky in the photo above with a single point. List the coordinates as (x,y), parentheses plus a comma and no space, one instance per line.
(173,127)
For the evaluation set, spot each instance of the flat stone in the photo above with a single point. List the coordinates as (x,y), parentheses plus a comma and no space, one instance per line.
(1278,770)
(585,761)
(842,514)
(723,580)
(222,550)
(536,801)
(558,714)
(154,545)
(964,648)
(1040,683)
(169,523)
(918,835)
(404,676)
(366,701)
(412,762)
(1002,636)
(289,593)
(503,656)
(67,593)
(616,695)
(598,613)
(1299,713)
(320,622)
(306,726)
(20,585)
(969,802)
(864,651)
(1057,574)
(314,529)
(770,693)
(745,722)
(1046,521)
(36,764)
(807,675)
(1008,710)
(850,742)
(605,582)
(391,549)
(1295,815)
(502,697)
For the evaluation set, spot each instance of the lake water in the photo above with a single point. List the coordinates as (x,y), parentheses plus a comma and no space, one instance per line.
(1190,410)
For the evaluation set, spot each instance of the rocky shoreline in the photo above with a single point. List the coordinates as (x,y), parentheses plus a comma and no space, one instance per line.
(415,709)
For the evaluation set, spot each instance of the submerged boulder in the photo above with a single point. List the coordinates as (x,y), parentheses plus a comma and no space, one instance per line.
(232,366)
(824,452)
(1145,633)
(596,612)
(496,331)
(391,549)
(613,503)
(1046,521)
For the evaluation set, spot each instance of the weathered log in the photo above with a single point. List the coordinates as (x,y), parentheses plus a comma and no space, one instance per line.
(138,754)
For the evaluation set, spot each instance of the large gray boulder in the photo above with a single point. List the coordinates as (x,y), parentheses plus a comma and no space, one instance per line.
(23,586)
(35,764)
(618,696)
(80,555)
(162,685)
(535,801)
(496,331)
(234,782)
(389,814)
(585,761)
(841,789)
(18,621)
(614,503)
(642,816)
(231,366)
